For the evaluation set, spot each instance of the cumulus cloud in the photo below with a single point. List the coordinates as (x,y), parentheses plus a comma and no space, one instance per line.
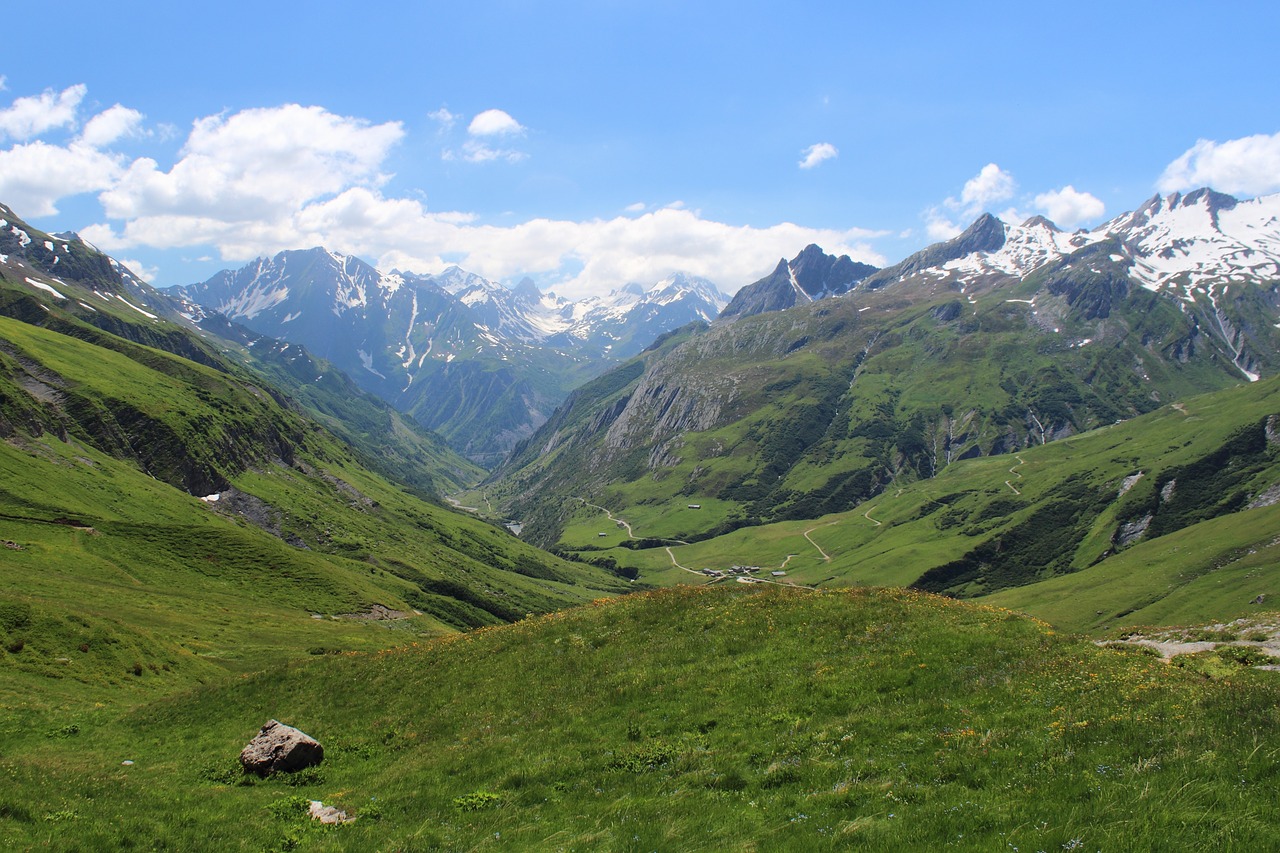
(1246,166)
(258,181)
(110,126)
(816,153)
(32,116)
(1069,207)
(478,151)
(939,227)
(578,258)
(494,123)
(256,165)
(138,268)
(483,131)
(990,185)
(35,175)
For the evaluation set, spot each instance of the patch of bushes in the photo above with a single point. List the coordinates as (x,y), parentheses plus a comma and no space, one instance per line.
(476,800)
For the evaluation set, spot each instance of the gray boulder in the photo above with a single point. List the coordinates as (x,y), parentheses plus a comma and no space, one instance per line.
(278,748)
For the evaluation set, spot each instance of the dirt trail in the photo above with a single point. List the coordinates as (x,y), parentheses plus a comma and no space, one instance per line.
(617,521)
(1015,473)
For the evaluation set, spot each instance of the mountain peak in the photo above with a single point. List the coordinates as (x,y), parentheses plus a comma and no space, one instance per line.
(526,289)
(1041,222)
(810,275)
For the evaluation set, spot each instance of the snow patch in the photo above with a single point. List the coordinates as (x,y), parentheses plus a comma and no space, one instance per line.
(367,361)
(40,285)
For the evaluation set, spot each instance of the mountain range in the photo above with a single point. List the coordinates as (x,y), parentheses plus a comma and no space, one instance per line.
(473,360)
(1004,337)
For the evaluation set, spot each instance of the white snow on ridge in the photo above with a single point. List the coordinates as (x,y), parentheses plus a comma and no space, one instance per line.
(1026,248)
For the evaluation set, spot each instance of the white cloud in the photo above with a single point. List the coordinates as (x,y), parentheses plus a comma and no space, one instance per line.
(816,153)
(35,175)
(1068,207)
(111,125)
(138,268)
(637,207)
(256,182)
(445,119)
(575,258)
(32,116)
(476,151)
(1246,166)
(256,165)
(4,83)
(494,123)
(939,227)
(992,184)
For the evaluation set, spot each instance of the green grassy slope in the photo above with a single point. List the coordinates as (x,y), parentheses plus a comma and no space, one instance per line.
(1043,524)
(800,413)
(689,719)
(390,442)
(122,581)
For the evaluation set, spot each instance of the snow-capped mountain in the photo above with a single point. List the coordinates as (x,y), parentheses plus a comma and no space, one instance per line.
(1173,243)
(477,361)
(1217,255)
(625,321)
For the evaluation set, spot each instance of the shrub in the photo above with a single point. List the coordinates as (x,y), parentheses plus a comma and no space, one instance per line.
(476,800)
(292,807)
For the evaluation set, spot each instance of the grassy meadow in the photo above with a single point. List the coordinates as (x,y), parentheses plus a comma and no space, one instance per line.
(685,719)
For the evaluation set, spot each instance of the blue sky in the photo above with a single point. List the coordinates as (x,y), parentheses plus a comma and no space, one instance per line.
(588,144)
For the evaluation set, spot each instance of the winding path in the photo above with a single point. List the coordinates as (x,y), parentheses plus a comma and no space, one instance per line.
(824,554)
(1015,473)
(617,521)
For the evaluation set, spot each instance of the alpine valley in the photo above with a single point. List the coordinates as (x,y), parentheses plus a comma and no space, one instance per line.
(480,363)
(663,569)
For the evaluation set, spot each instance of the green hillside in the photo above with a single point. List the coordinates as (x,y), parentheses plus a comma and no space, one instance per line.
(166,522)
(1047,525)
(800,413)
(691,719)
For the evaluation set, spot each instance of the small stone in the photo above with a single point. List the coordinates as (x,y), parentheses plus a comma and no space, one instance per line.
(328,814)
(127,762)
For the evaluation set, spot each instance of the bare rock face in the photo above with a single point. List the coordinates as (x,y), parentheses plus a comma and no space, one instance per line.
(278,748)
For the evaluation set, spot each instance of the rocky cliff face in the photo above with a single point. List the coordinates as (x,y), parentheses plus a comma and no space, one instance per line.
(813,274)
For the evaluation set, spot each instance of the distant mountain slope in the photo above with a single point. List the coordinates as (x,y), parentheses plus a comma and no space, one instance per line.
(1005,337)
(478,362)
(1219,256)
(1168,518)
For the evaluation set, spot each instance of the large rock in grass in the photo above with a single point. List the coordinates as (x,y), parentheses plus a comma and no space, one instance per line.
(278,748)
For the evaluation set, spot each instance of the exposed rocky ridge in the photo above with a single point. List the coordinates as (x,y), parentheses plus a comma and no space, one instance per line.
(811,275)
